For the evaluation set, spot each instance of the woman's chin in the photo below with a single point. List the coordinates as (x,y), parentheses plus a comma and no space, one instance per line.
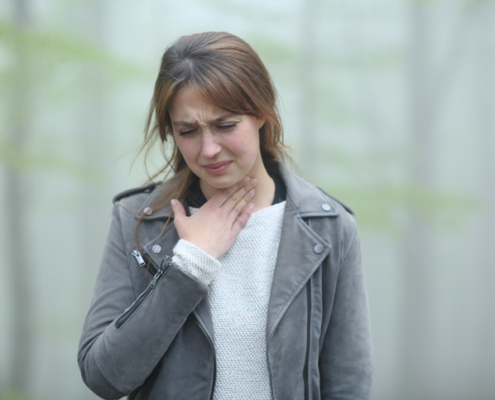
(219,183)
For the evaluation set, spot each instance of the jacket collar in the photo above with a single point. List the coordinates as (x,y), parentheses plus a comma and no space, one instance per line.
(146,209)
(308,200)
(300,252)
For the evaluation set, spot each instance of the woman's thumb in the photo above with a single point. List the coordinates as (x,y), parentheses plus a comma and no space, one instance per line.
(177,208)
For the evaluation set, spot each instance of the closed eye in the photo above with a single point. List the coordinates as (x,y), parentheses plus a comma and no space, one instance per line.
(187,132)
(227,126)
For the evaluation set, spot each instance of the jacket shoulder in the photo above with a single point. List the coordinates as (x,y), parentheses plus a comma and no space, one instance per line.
(135,191)
(345,206)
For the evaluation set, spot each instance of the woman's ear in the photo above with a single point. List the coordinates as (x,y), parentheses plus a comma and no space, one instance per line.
(261,122)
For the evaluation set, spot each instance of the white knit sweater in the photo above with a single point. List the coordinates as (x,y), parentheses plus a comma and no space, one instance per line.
(240,283)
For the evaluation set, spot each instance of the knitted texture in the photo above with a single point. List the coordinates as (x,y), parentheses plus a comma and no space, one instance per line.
(239,294)
(194,261)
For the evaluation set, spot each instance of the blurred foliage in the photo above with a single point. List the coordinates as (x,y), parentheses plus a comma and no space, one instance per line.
(474,4)
(468,5)
(29,161)
(273,52)
(11,395)
(62,48)
(376,186)
(48,54)
(383,206)
(377,200)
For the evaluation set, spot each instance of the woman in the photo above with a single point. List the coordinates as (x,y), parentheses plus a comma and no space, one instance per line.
(235,279)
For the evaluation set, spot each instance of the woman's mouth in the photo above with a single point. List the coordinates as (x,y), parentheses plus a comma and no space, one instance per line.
(217,168)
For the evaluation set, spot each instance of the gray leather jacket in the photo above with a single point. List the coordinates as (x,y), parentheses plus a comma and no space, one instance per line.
(149,334)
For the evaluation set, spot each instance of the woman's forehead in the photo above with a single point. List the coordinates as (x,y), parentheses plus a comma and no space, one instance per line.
(189,105)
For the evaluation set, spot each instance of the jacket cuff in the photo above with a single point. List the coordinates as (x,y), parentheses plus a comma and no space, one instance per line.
(195,262)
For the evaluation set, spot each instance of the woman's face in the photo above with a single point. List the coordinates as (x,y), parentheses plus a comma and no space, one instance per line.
(221,148)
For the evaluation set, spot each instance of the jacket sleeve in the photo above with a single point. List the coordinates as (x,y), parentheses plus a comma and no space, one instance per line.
(346,355)
(113,360)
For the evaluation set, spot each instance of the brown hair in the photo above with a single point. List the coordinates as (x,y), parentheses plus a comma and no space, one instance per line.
(229,74)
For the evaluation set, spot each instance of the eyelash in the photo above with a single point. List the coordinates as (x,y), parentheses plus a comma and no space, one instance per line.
(221,127)
(186,132)
(227,126)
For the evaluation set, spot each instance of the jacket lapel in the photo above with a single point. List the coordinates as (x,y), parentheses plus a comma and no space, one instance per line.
(301,250)
(296,262)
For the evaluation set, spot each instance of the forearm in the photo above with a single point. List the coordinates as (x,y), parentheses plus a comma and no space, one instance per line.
(124,355)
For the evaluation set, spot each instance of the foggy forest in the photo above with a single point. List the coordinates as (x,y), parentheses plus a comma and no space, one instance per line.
(388,105)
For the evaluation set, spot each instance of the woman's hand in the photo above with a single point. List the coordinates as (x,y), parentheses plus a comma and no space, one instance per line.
(214,227)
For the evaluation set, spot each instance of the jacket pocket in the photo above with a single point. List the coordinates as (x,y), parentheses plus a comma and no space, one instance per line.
(143,296)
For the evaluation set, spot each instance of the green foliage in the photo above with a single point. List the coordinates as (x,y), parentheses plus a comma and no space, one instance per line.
(376,187)
(29,161)
(47,54)
(428,2)
(274,52)
(471,5)
(383,206)
(61,48)
(14,395)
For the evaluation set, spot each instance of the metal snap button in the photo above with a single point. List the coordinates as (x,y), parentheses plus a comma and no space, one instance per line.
(318,248)
(148,211)
(156,248)
(326,207)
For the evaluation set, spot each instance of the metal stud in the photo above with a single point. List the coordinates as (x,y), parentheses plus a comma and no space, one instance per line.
(148,211)
(318,248)
(326,207)
(156,248)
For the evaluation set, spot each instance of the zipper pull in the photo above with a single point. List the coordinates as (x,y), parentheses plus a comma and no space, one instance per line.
(156,277)
(139,258)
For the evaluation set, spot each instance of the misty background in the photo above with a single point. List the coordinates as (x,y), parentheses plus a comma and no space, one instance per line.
(389,105)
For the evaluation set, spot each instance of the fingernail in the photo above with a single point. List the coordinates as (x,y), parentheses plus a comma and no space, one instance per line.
(173,202)
(252,182)
(244,180)
(250,207)
(250,193)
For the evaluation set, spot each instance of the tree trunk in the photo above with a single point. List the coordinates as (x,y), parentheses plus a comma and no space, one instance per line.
(418,285)
(308,71)
(94,151)
(486,107)
(21,324)
(428,89)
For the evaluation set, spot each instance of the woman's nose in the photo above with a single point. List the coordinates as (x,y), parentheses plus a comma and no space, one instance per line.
(210,145)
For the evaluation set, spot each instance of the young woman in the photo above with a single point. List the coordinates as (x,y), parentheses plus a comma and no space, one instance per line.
(234,279)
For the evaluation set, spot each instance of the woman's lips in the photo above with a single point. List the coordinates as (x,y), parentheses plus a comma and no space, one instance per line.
(217,168)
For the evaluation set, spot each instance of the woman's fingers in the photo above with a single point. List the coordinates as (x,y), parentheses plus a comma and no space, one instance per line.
(240,197)
(241,205)
(242,219)
(214,227)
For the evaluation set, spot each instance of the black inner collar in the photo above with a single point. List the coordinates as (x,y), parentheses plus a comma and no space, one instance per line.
(196,198)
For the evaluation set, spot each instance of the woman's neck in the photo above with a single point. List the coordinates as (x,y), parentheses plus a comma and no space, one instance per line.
(264,189)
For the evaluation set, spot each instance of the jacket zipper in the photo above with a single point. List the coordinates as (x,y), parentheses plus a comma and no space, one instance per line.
(145,261)
(308,333)
(158,272)
(208,339)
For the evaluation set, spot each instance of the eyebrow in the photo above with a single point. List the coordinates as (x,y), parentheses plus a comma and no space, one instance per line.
(217,119)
